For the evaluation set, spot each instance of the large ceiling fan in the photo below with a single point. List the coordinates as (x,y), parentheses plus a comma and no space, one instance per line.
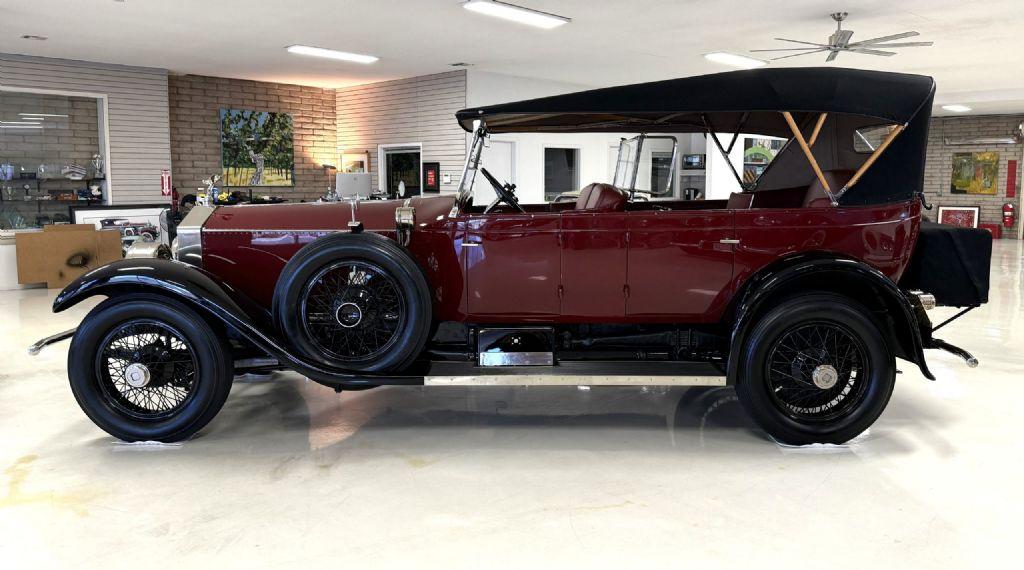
(840,41)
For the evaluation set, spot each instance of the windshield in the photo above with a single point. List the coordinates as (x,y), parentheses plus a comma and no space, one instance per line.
(646,164)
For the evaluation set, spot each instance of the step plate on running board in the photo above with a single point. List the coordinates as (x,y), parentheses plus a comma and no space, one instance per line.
(571,380)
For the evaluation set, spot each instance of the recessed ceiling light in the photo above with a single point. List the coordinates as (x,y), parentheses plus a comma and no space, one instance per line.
(735,60)
(331,54)
(956,108)
(34,37)
(518,14)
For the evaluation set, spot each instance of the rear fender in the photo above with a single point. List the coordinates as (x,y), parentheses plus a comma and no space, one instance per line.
(905,326)
(211,298)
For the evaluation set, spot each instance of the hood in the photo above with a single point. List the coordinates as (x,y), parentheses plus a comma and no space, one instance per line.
(376,215)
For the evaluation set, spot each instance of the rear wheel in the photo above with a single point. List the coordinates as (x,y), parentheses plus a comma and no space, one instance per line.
(816,370)
(145,368)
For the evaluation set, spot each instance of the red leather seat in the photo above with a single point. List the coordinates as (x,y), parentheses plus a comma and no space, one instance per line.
(599,197)
(816,197)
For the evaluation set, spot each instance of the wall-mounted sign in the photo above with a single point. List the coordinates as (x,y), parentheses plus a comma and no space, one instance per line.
(165,182)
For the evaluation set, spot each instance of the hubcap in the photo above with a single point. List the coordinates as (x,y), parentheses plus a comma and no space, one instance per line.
(825,376)
(137,375)
(349,315)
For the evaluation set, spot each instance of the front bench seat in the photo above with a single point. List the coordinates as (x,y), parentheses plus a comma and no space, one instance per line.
(598,197)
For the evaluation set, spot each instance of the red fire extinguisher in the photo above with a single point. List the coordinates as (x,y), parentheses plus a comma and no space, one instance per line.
(1008,215)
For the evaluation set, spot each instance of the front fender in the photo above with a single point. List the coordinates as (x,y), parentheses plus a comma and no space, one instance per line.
(831,273)
(211,297)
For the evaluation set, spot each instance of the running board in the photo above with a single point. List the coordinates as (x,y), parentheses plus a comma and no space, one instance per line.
(577,373)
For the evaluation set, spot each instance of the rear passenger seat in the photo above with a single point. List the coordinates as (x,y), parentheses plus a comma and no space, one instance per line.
(815,196)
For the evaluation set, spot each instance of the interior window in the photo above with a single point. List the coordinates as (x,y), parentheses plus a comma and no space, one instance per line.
(561,172)
(867,139)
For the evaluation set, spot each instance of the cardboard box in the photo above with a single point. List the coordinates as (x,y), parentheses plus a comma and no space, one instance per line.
(60,253)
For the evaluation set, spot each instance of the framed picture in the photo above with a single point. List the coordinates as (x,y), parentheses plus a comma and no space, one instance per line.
(134,221)
(431,176)
(355,162)
(975,173)
(960,216)
(257,148)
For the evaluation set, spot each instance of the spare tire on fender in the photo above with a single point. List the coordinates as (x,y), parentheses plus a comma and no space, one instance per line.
(356,301)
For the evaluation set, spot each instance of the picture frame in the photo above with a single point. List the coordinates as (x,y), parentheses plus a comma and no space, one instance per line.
(355,162)
(134,221)
(257,148)
(959,216)
(432,177)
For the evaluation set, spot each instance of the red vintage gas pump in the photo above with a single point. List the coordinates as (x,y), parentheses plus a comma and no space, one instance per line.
(1008,215)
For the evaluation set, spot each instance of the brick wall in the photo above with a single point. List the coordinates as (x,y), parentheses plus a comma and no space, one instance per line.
(939,164)
(195,103)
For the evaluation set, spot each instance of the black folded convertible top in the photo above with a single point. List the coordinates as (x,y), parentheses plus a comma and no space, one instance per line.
(675,104)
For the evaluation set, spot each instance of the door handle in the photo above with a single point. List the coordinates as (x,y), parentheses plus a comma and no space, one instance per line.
(729,241)
(470,244)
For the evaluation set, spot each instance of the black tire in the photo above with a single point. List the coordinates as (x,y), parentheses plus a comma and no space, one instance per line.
(793,354)
(190,367)
(355,302)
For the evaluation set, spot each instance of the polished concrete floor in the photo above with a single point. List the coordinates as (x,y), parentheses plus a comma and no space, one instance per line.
(291,472)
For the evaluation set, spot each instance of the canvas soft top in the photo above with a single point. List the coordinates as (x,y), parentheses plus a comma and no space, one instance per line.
(676,105)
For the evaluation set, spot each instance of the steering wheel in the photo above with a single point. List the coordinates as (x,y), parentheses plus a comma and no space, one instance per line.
(505,193)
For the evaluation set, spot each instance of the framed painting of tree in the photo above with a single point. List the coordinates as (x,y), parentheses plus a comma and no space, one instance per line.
(257,148)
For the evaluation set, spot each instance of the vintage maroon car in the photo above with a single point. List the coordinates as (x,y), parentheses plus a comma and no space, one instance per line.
(801,290)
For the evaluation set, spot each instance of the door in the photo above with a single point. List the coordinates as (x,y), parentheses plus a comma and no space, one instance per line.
(593,266)
(512,266)
(680,265)
(500,159)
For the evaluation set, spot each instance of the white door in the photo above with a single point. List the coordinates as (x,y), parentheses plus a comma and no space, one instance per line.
(499,158)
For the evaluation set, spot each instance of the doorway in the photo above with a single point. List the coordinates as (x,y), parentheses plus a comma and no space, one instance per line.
(401,170)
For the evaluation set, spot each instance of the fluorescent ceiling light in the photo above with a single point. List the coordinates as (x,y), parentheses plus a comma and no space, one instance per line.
(331,54)
(956,108)
(41,115)
(735,60)
(20,127)
(19,122)
(515,13)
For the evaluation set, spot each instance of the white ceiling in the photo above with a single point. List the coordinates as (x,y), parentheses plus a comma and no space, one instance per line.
(977,58)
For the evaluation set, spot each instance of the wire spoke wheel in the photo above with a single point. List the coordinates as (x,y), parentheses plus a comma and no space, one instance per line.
(817,371)
(146,369)
(353,310)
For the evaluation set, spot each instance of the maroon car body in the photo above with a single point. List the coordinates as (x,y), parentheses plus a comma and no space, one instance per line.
(801,290)
(570,265)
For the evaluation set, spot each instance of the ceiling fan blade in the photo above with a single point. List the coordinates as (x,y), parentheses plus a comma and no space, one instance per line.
(899,44)
(832,56)
(796,54)
(789,49)
(800,42)
(872,51)
(885,39)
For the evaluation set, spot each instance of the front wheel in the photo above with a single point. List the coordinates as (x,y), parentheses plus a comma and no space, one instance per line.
(816,369)
(148,369)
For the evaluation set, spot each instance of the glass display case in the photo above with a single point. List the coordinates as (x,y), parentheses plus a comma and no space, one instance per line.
(51,157)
